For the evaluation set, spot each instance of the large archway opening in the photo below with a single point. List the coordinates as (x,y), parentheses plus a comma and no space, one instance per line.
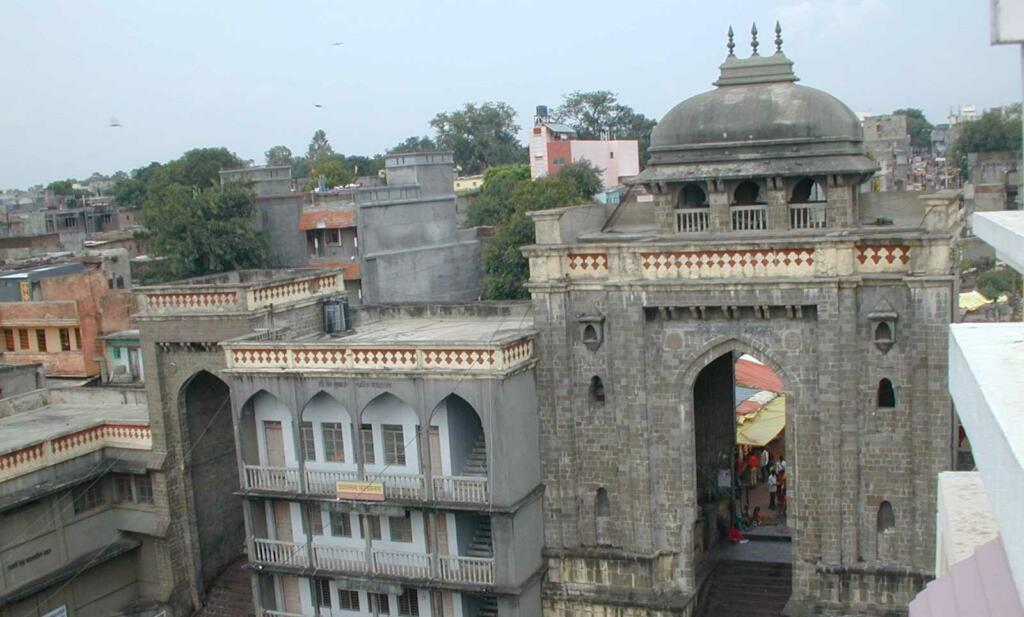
(742,484)
(206,403)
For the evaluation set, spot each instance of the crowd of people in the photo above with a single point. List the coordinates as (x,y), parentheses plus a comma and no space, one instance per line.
(756,466)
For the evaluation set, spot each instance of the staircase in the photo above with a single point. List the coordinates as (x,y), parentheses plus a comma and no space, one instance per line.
(489,607)
(230,595)
(476,462)
(747,588)
(481,546)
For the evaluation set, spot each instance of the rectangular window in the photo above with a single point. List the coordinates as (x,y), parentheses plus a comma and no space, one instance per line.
(401,528)
(306,436)
(122,489)
(366,435)
(314,522)
(8,339)
(335,236)
(323,592)
(144,489)
(341,524)
(41,339)
(115,351)
(334,444)
(65,339)
(373,522)
(78,337)
(348,599)
(86,497)
(23,338)
(379,602)
(409,603)
(394,444)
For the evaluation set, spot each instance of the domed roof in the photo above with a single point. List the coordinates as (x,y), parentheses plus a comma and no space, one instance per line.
(756,112)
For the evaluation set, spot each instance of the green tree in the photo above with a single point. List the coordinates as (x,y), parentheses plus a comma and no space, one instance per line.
(198,167)
(278,155)
(204,231)
(333,169)
(585,175)
(61,188)
(599,115)
(918,127)
(319,147)
(492,205)
(480,136)
(414,144)
(505,268)
(998,281)
(993,132)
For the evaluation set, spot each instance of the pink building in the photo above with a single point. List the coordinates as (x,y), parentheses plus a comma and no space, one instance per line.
(553,145)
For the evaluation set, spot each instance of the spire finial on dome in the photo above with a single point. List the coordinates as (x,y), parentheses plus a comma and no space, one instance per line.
(730,45)
(778,38)
(753,38)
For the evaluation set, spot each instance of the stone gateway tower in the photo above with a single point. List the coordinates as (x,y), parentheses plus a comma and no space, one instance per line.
(752,240)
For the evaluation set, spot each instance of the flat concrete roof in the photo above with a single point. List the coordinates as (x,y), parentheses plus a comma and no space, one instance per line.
(50,421)
(1003,231)
(434,331)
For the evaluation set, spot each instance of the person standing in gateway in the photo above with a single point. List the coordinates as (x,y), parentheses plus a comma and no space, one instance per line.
(772,487)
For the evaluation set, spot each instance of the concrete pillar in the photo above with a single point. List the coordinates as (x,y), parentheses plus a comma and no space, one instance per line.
(718,201)
(778,208)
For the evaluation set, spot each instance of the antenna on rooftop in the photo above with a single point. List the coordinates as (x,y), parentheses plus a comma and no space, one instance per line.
(730,45)
(753,38)
(778,38)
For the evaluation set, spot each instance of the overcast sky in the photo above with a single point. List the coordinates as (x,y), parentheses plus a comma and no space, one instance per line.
(247,74)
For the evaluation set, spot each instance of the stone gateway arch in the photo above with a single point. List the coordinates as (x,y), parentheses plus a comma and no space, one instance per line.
(747,233)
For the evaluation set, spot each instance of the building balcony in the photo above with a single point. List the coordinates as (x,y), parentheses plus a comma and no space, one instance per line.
(749,218)
(807,216)
(323,483)
(237,292)
(345,560)
(693,220)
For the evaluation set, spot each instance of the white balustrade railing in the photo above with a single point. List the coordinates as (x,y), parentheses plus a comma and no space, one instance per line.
(400,563)
(266,612)
(745,218)
(807,216)
(692,219)
(399,485)
(272,478)
(340,558)
(476,570)
(460,489)
(324,482)
(280,553)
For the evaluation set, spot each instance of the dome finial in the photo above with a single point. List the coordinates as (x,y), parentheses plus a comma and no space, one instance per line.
(730,45)
(753,38)
(778,38)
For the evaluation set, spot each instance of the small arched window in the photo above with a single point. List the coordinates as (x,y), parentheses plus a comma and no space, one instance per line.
(886,395)
(807,191)
(602,507)
(596,390)
(883,332)
(886,522)
(590,334)
(747,193)
(692,196)
(602,517)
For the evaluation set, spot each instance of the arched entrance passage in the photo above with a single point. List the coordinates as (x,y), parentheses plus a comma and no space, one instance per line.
(205,402)
(741,471)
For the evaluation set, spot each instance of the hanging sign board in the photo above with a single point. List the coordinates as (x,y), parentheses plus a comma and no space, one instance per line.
(360,491)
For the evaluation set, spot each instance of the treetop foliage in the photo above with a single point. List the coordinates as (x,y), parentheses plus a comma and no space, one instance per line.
(480,136)
(599,115)
(995,131)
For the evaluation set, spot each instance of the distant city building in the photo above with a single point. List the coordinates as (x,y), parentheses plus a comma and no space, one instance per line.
(54,315)
(122,358)
(266,181)
(553,145)
(965,113)
(887,142)
(468,183)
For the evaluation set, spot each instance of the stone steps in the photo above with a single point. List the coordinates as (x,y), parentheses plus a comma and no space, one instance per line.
(750,589)
(230,595)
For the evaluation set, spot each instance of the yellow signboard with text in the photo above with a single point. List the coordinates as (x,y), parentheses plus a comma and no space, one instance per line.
(360,491)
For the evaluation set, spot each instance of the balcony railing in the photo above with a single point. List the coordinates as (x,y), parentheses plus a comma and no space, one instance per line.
(460,489)
(324,482)
(399,563)
(258,477)
(476,570)
(357,560)
(692,219)
(807,216)
(266,612)
(747,218)
(340,558)
(400,485)
(280,553)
